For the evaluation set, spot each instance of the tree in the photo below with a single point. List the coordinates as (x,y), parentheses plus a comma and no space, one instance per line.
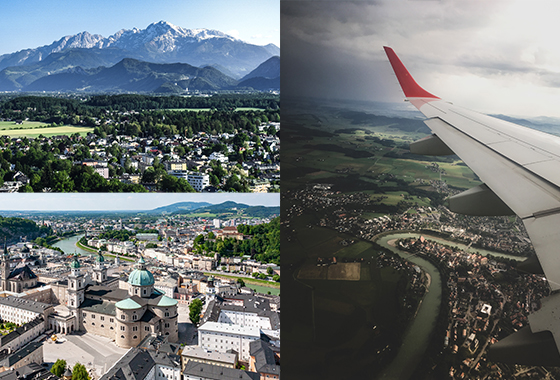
(241,282)
(194,311)
(79,372)
(58,367)
(269,270)
(171,183)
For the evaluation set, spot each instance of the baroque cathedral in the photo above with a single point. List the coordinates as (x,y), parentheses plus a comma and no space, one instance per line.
(127,313)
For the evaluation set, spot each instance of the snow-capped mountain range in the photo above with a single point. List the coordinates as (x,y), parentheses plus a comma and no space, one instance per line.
(163,36)
(160,42)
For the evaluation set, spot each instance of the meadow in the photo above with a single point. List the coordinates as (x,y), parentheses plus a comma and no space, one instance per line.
(35,129)
(209,109)
(338,319)
(330,147)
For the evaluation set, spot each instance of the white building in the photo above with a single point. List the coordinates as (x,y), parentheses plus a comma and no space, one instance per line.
(245,318)
(223,336)
(218,156)
(20,310)
(197,180)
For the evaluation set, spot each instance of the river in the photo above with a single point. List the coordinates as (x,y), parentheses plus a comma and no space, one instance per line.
(418,334)
(69,246)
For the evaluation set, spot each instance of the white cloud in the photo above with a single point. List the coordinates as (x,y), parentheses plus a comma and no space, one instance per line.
(234,33)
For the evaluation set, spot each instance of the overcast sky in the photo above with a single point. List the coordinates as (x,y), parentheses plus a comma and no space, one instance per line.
(33,23)
(126,201)
(489,56)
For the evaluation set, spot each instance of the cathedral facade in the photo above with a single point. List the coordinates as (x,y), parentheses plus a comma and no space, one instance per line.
(125,315)
(17,280)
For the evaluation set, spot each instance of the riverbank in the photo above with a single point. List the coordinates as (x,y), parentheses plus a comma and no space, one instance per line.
(106,254)
(421,328)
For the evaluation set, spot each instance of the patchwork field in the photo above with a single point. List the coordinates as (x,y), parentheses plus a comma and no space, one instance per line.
(334,146)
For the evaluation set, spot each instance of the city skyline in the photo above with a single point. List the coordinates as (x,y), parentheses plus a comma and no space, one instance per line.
(123,201)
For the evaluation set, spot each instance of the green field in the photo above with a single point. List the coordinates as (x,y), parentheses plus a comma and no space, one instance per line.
(35,129)
(354,150)
(26,124)
(208,109)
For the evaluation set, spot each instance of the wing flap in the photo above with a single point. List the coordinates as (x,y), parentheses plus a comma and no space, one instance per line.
(524,192)
(543,231)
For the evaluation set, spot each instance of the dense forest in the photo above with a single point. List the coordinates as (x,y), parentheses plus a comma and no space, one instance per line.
(141,115)
(12,229)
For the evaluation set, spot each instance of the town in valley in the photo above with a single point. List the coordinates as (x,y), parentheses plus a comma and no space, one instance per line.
(183,289)
(378,270)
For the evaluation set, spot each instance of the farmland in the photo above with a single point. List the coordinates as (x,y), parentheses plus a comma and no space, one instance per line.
(339,147)
(35,129)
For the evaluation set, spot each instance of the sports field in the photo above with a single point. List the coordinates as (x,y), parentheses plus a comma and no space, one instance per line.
(35,129)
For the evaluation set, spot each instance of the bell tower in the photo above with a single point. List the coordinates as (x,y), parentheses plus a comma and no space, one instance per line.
(99,270)
(5,267)
(76,286)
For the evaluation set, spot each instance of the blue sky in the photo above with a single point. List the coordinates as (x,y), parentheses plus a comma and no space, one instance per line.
(126,201)
(33,23)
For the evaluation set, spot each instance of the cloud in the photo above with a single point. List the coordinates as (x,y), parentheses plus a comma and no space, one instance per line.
(334,49)
(234,33)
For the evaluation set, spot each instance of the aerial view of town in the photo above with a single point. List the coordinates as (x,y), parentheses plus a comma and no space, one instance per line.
(153,108)
(120,143)
(378,271)
(183,290)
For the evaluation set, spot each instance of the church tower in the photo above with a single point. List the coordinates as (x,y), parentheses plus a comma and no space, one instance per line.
(5,267)
(99,270)
(76,286)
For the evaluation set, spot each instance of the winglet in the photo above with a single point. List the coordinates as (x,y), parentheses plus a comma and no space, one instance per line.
(409,86)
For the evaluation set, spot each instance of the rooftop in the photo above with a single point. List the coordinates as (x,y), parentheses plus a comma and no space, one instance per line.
(230,329)
(29,305)
(208,371)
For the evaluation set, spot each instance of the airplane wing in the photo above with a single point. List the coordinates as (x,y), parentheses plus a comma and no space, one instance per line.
(520,169)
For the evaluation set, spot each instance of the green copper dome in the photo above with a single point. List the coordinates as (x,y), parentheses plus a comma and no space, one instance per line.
(128,304)
(100,257)
(140,276)
(75,263)
(166,301)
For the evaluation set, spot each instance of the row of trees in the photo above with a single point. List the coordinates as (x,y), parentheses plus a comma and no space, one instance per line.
(79,371)
(154,116)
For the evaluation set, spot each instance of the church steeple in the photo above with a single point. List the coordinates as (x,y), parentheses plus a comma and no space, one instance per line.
(5,266)
(76,285)
(99,270)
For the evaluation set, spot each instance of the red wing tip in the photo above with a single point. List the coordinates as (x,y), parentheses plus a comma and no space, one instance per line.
(409,86)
